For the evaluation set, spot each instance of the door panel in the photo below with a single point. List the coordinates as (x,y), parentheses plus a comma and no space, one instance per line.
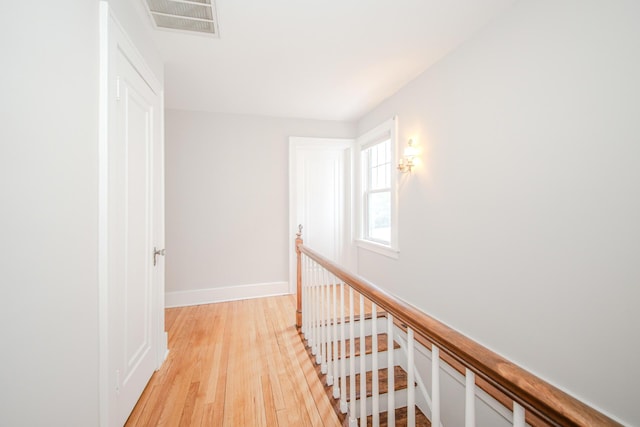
(320,195)
(137,283)
(320,198)
(132,343)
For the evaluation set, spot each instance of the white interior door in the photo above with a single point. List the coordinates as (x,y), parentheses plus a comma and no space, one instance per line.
(134,226)
(132,293)
(320,197)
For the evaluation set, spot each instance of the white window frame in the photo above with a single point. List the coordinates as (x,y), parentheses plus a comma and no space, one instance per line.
(386,130)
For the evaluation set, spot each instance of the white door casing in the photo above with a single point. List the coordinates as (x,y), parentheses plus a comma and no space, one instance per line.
(320,198)
(132,338)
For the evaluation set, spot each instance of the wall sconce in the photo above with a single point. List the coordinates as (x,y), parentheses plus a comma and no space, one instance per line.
(406,161)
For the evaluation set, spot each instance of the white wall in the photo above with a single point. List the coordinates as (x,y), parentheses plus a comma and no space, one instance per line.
(48,214)
(227,199)
(520,227)
(133,17)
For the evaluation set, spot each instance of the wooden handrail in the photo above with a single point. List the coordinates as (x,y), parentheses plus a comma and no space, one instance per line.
(545,401)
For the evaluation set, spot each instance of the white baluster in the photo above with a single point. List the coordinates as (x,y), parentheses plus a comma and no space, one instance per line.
(314,311)
(518,415)
(323,327)
(343,354)
(320,358)
(329,331)
(334,344)
(470,400)
(318,311)
(352,360)
(305,298)
(375,387)
(391,396)
(411,380)
(309,301)
(363,368)
(320,317)
(435,386)
(329,327)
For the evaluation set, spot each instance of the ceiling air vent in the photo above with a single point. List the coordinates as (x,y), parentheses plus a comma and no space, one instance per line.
(185,15)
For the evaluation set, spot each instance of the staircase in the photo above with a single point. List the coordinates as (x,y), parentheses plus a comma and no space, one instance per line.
(342,317)
(400,379)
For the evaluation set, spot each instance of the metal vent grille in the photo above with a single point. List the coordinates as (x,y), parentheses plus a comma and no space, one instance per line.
(184,15)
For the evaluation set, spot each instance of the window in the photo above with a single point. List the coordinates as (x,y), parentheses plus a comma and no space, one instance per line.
(376,161)
(377,208)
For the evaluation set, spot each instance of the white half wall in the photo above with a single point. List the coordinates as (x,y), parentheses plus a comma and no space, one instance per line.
(520,227)
(227,201)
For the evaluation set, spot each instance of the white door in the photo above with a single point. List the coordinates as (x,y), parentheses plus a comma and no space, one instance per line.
(319,197)
(134,227)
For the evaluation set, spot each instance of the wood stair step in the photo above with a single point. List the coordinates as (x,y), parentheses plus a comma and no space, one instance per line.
(401,418)
(368,342)
(356,318)
(400,382)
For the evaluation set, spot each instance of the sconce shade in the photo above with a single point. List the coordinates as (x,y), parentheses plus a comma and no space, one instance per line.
(410,151)
(406,162)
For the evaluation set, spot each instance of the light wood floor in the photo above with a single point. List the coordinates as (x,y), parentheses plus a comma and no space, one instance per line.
(235,364)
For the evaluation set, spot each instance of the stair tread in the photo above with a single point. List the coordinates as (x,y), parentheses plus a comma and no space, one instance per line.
(368,342)
(400,377)
(400,382)
(356,318)
(401,418)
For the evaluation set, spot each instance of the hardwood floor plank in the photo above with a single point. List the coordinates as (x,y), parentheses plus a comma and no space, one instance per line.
(178,392)
(269,407)
(218,360)
(234,364)
(208,416)
(319,406)
(206,356)
(189,405)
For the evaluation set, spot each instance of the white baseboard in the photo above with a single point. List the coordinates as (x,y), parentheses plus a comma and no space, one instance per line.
(227,293)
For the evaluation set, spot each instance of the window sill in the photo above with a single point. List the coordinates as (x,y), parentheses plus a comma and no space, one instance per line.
(378,248)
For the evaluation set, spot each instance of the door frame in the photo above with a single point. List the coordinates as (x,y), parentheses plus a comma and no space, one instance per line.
(295,144)
(113,38)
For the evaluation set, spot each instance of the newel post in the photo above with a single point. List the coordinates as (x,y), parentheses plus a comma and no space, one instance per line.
(298,278)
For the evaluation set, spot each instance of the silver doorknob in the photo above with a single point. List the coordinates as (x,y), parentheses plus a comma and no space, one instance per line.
(157,252)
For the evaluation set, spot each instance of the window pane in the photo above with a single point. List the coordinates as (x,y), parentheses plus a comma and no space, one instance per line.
(379,164)
(386,178)
(384,148)
(374,155)
(376,181)
(379,216)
